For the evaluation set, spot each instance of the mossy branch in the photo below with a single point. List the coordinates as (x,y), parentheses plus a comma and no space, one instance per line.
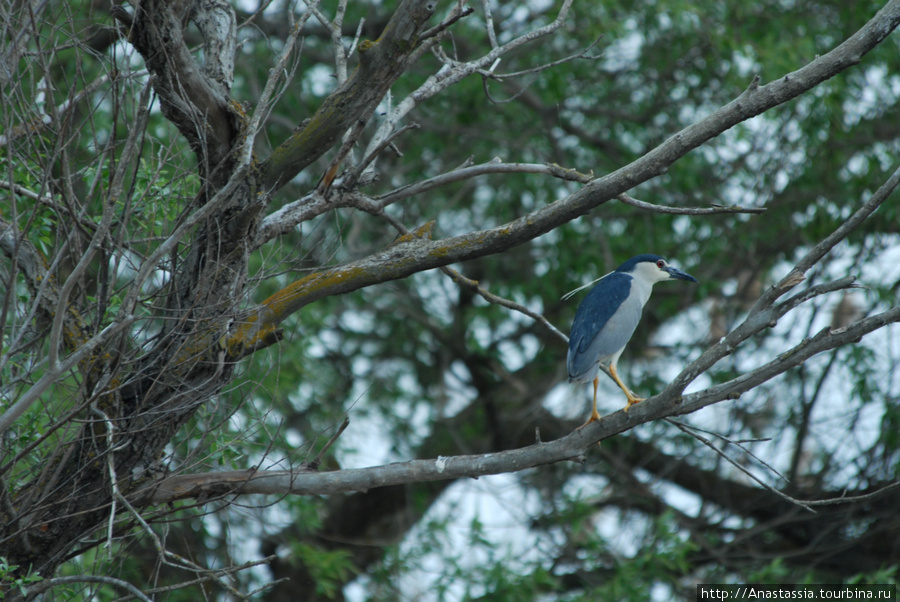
(381,63)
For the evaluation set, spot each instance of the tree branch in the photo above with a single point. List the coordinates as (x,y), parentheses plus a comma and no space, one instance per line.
(194,99)
(714,210)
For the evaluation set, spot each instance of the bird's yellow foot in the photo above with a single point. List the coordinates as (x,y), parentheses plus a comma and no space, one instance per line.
(632,399)
(594,417)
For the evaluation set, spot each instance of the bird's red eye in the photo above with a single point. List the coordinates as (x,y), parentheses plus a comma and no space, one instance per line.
(660,264)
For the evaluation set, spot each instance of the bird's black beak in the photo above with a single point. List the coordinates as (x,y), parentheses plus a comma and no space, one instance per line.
(676,273)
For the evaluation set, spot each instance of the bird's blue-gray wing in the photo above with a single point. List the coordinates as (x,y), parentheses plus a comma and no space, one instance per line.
(603,325)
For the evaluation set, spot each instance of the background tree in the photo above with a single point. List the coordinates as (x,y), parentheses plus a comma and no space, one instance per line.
(224,232)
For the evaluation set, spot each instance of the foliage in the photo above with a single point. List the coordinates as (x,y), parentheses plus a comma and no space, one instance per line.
(10,577)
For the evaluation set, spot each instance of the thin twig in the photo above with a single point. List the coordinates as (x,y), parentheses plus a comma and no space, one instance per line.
(728,459)
(268,96)
(489,23)
(353,177)
(355,43)
(46,584)
(494,166)
(74,278)
(318,459)
(445,24)
(497,300)
(714,210)
(764,313)
(181,562)
(232,569)
(738,444)
(492,73)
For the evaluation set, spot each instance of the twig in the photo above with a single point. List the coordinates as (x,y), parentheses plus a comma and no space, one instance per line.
(497,300)
(492,74)
(118,182)
(445,24)
(42,586)
(855,498)
(340,54)
(715,209)
(349,181)
(728,459)
(182,563)
(455,71)
(49,378)
(268,96)
(490,297)
(341,429)
(489,23)
(232,569)
(355,43)
(494,166)
(764,312)
(739,444)
(111,468)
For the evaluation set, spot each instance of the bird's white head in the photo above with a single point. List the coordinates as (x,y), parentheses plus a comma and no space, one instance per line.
(650,269)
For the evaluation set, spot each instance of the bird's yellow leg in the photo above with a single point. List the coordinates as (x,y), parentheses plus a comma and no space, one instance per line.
(632,398)
(595,415)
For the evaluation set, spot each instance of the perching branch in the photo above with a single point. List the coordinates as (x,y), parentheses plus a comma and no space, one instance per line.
(572,446)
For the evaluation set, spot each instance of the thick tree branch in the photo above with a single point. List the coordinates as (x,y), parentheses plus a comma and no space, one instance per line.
(303,482)
(194,99)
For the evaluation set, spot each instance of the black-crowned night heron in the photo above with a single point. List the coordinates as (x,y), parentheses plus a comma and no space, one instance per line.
(607,317)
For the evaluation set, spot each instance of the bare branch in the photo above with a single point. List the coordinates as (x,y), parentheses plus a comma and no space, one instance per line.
(497,300)
(318,459)
(264,105)
(825,340)
(718,209)
(351,179)
(489,23)
(214,575)
(194,100)
(62,313)
(494,166)
(217,23)
(303,482)
(8,418)
(459,12)
(42,586)
(693,433)
(60,110)
(454,72)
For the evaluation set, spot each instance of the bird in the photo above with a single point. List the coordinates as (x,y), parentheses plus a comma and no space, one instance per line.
(607,317)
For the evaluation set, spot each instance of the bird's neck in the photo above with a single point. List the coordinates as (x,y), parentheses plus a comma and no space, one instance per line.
(642,288)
